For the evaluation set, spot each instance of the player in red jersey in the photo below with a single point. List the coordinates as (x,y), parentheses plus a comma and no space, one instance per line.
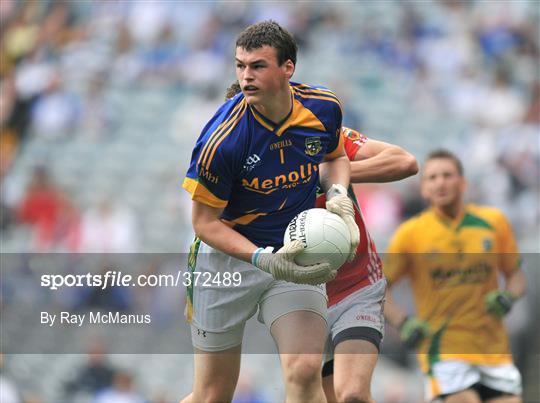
(356,295)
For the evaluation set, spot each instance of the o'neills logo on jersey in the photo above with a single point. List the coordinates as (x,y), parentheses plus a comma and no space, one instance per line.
(280,144)
(284,181)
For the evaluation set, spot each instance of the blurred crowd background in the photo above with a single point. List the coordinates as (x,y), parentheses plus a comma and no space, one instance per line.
(101,103)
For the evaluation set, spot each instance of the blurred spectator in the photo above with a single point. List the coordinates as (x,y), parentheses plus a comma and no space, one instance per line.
(8,390)
(146,20)
(32,77)
(466,98)
(502,104)
(532,114)
(122,391)
(22,33)
(94,377)
(50,213)
(108,228)
(56,112)
(98,116)
(126,65)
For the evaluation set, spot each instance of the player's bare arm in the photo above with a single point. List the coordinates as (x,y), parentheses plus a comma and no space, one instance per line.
(334,174)
(209,227)
(516,283)
(392,312)
(377,161)
(335,170)
(499,302)
(211,230)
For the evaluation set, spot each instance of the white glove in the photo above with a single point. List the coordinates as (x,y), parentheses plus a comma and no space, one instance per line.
(339,203)
(281,265)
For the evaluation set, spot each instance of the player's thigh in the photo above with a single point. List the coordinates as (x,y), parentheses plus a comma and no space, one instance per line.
(216,374)
(299,332)
(296,316)
(505,399)
(465,396)
(354,362)
(299,336)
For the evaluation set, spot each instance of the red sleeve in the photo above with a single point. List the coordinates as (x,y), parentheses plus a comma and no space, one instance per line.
(352,140)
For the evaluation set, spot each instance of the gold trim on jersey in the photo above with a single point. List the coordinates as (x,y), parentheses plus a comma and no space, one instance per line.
(246,219)
(250,216)
(301,116)
(224,136)
(201,194)
(305,91)
(220,133)
(259,119)
(218,129)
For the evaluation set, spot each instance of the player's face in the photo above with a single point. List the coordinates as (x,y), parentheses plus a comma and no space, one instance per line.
(442,185)
(260,76)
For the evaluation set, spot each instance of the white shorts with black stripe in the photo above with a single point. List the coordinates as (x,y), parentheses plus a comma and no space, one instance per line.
(218,313)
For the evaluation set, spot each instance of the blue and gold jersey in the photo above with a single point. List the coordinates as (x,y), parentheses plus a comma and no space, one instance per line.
(260,172)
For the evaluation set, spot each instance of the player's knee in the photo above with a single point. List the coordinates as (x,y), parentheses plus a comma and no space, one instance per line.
(355,395)
(303,370)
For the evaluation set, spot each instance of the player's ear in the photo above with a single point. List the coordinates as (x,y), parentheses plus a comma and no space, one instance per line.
(288,67)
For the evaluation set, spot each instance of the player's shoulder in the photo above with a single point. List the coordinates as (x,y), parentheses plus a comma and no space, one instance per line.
(231,110)
(492,216)
(315,96)
(416,223)
(353,136)
(227,123)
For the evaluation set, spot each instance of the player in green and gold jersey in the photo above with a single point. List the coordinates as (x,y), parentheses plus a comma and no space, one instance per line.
(452,253)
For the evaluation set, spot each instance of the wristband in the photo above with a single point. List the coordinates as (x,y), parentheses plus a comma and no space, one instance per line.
(336,190)
(255,256)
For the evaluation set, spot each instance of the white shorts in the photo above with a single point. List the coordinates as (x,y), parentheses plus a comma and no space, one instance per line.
(357,316)
(452,376)
(218,313)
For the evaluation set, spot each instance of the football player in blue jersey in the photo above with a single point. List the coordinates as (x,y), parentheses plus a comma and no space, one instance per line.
(254,167)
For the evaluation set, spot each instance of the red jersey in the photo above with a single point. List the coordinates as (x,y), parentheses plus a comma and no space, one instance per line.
(366,268)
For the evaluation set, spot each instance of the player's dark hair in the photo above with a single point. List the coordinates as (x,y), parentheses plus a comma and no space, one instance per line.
(233,89)
(269,33)
(445,154)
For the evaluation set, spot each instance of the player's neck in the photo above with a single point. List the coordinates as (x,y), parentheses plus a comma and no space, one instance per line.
(278,108)
(452,211)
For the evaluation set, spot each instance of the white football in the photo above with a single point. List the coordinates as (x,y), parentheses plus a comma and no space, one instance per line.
(324,234)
